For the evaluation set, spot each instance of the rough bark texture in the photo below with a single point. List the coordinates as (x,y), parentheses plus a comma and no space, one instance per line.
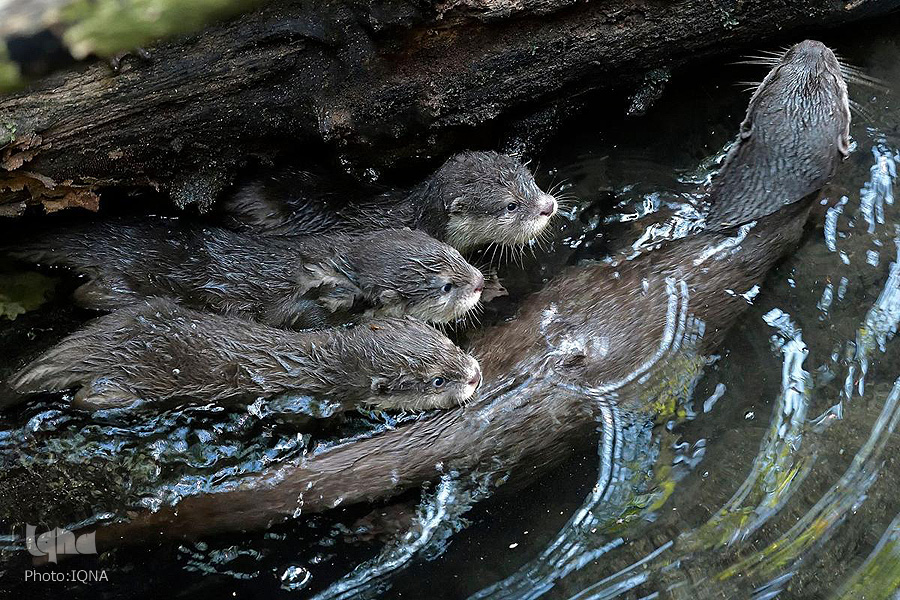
(379,83)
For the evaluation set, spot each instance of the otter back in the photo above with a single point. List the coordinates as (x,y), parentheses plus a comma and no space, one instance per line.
(157,350)
(298,282)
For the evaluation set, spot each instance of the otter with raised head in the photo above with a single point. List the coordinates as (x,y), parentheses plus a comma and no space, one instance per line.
(596,334)
(475,199)
(305,282)
(158,350)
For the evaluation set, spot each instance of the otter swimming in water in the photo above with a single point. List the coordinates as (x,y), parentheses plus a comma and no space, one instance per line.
(157,350)
(475,199)
(593,335)
(301,282)
(595,332)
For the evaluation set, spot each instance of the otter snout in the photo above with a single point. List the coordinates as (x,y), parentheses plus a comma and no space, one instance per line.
(474,381)
(810,49)
(547,206)
(474,295)
(478,287)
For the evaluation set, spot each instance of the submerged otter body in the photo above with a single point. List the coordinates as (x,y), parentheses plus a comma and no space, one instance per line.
(475,199)
(596,335)
(157,350)
(287,282)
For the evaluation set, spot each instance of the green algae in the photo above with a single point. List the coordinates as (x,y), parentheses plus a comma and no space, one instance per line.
(23,292)
(108,27)
(10,80)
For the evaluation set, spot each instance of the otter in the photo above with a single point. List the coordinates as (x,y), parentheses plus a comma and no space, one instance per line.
(596,334)
(475,199)
(303,282)
(157,350)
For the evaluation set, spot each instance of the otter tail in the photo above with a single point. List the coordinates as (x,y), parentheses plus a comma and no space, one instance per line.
(95,358)
(292,203)
(69,248)
(116,255)
(62,367)
(87,248)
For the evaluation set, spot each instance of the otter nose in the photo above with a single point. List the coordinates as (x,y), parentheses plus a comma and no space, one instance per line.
(548,206)
(479,283)
(475,381)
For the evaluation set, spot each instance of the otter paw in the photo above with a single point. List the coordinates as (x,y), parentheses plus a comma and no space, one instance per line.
(102,394)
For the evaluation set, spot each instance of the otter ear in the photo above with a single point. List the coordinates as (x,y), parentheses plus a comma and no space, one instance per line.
(456,205)
(844,144)
(746,127)
(379,385)
(387,297)
(339,298)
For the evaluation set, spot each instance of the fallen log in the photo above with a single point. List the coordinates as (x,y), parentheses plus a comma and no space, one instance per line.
(379,85)
(40,36)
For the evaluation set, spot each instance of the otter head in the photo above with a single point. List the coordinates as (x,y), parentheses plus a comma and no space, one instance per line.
(407,365)
(481,198)
(406,272)
(796,132)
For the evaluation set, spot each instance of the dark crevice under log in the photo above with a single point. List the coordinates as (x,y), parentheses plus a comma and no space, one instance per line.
(380,84)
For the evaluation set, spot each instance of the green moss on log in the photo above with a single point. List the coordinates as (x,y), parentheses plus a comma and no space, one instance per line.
(107,27)
(10,78)
(22,292)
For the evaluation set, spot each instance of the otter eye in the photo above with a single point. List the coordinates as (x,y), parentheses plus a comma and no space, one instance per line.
(512,206)
(438,382)
(446,289)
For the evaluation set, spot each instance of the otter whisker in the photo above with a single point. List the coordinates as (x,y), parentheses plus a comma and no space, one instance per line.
(766,54)
(840,57)
(855,74)
(757,61)
(779,53)
(547,236)
(494,247)
(557,186)
(858,109)
(866,81)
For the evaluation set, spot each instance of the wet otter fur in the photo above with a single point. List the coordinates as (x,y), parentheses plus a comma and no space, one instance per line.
(157,350)
(793,140)
(595,336)
(475,199)
(306,282)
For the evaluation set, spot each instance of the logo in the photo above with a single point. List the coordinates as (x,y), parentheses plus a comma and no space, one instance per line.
(58,541)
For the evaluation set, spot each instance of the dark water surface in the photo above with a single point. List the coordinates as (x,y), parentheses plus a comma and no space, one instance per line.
(775,474)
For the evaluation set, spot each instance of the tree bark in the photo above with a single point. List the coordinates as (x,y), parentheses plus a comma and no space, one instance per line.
(378,84)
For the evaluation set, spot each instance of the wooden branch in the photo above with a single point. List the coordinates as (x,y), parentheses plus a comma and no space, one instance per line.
(379,83)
